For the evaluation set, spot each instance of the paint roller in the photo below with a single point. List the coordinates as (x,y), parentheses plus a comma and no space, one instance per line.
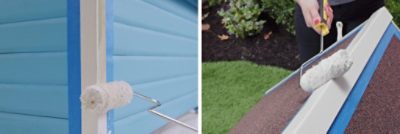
(104,97)
(101,98)
(327,69)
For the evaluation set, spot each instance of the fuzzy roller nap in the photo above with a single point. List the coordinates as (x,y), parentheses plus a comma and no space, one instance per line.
(104,97)
(332,67)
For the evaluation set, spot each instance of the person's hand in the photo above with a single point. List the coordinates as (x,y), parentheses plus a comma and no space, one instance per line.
(310,9)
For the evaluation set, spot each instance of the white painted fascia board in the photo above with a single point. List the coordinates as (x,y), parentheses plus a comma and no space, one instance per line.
(93,58)
(320,110)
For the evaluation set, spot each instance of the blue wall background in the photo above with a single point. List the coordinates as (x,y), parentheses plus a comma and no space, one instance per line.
(33,70)
(155,50)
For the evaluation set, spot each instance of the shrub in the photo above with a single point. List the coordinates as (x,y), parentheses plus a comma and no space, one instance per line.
(282,11)
(241,19)
(394,8)
(215,2)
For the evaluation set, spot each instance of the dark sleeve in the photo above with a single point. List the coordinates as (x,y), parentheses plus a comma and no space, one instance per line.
(339,2)
(358,9)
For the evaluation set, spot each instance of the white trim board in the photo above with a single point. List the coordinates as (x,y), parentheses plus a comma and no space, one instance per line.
(93,58)
(320,110)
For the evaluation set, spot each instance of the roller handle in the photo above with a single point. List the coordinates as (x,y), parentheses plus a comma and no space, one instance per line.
(322,25)
(322,12)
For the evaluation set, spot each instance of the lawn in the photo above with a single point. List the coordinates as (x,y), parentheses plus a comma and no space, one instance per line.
(230,89)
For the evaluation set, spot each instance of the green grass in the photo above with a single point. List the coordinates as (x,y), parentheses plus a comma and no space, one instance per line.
(394,8)
(230,89)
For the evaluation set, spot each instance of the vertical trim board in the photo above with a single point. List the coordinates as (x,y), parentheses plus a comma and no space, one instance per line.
(74,67)
(93,59)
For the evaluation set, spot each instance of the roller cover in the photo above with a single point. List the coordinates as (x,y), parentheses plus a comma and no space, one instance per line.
(104,97)
(329,68)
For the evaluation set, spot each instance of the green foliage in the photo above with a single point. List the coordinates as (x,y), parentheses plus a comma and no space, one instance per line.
(282,11)
(241,19)
(394,8)
(215,2)
(230,89)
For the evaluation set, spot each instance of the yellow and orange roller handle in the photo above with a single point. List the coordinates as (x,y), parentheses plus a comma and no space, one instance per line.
(322,25)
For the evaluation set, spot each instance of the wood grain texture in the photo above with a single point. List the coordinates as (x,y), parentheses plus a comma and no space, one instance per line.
(155,50)
(33,67)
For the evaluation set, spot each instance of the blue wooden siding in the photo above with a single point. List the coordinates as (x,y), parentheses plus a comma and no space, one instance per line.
(33,68)
(155,49)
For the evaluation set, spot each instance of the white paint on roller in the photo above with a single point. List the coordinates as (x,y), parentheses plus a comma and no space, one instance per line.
(332,67)
(104,97)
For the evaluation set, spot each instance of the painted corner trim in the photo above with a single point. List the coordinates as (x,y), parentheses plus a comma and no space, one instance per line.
(93,59)
(109,9)
(74,66)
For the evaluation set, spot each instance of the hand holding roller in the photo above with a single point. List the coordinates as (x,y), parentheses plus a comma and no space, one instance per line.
(322,25)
